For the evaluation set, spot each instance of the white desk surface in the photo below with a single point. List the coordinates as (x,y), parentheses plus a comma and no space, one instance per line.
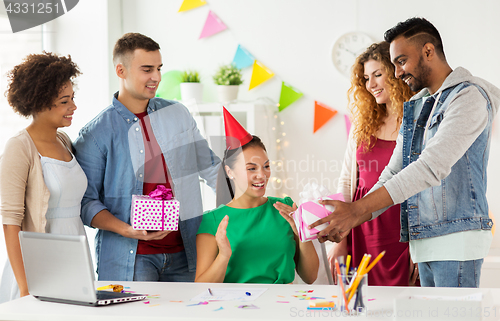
(381,308)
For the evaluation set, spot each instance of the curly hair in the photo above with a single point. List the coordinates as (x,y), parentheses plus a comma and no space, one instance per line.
(368,116)
(34,84)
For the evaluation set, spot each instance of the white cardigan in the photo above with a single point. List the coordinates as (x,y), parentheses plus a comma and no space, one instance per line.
(349,173)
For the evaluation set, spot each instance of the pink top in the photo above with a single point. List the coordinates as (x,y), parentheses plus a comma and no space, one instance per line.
(381,233)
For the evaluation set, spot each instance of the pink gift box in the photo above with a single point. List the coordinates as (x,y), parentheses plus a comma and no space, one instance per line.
(310,212)
(152,214)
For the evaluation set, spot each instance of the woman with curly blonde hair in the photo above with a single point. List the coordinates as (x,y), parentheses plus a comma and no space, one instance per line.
(376,100)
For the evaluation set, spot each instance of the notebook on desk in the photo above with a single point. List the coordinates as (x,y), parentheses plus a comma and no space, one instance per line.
(59,269)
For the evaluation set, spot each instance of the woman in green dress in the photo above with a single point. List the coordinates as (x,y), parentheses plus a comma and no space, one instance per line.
(253,238)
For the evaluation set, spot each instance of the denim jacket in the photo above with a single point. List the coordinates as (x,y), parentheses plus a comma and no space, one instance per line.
(441,182)
(459,202)
(110,149)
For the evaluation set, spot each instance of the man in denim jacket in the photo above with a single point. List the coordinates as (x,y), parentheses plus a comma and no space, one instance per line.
(135,144)
(439,166)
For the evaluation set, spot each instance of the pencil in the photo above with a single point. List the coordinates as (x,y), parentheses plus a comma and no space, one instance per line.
(362,268)
(374,261)
(341,281)
(348,261)
(361,264)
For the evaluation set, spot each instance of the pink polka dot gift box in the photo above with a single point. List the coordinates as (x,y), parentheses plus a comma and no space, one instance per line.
(159,212)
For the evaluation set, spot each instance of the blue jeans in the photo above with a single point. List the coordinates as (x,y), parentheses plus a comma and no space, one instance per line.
(450,273)
(165,267)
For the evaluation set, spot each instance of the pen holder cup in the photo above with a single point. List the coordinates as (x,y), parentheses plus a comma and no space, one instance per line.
(357,301)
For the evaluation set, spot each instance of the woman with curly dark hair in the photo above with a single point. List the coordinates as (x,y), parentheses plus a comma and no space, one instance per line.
(376,100)
(41,184)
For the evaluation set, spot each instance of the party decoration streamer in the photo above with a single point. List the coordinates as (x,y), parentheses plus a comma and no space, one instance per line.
(288,95)
(260,74)
(322,114)
(191,4)
(212,26)
(242,58)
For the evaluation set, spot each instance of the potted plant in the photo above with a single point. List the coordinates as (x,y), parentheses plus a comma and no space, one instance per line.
(191,88)
(228,79)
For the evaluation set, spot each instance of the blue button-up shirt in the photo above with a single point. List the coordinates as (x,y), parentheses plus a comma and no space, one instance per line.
(110,150)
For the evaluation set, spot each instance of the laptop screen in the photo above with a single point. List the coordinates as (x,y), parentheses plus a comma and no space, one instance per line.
(58,266)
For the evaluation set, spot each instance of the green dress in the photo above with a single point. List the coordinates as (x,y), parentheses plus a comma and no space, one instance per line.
(262,242)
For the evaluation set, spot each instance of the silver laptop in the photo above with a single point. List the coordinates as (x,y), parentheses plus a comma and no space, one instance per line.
(59,269)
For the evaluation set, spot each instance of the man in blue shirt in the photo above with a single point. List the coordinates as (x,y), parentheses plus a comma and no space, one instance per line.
(135,144)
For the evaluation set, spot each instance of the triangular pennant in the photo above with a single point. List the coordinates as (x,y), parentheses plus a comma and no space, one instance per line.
(242,58)
(347,124)
(322,114)
(212,25)
(260,74)
(191,4)
(288,95)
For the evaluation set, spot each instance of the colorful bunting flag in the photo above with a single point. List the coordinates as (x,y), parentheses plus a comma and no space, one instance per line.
(191,4)
(260,74)
(288,95)
(242,58)
(322,114)
(347,124)
(212,26)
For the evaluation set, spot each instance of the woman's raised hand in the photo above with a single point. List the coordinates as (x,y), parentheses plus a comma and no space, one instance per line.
(287,212)
(222,240)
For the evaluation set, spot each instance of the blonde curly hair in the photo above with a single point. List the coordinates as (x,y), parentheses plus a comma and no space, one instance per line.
(367,115)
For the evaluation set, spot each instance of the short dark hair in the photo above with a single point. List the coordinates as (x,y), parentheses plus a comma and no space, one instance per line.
(130,42)
(224,186)
(420,30)
(34,84)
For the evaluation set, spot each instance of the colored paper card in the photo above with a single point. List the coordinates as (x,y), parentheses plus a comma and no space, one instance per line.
(288,95)
(322,114)
(212,26)
(260,74)
(347,124)
(191,4)
(242,58)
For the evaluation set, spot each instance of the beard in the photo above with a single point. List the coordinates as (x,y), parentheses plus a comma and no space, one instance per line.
(420,81)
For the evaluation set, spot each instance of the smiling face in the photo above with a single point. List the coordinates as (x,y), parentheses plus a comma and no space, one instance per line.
(250,173)
(141,74)
(61,112)
(376,81)
(409,64)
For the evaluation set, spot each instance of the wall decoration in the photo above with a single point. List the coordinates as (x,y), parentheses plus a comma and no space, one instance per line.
(212,26)
(288,95)
(260,74)
(242,58)
(322,114)
(343,54)
(347,48)
(191,4)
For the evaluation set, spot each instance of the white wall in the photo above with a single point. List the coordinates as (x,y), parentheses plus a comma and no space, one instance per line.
(293,38)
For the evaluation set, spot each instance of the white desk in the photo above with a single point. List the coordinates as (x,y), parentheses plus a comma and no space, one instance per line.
(382,308)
